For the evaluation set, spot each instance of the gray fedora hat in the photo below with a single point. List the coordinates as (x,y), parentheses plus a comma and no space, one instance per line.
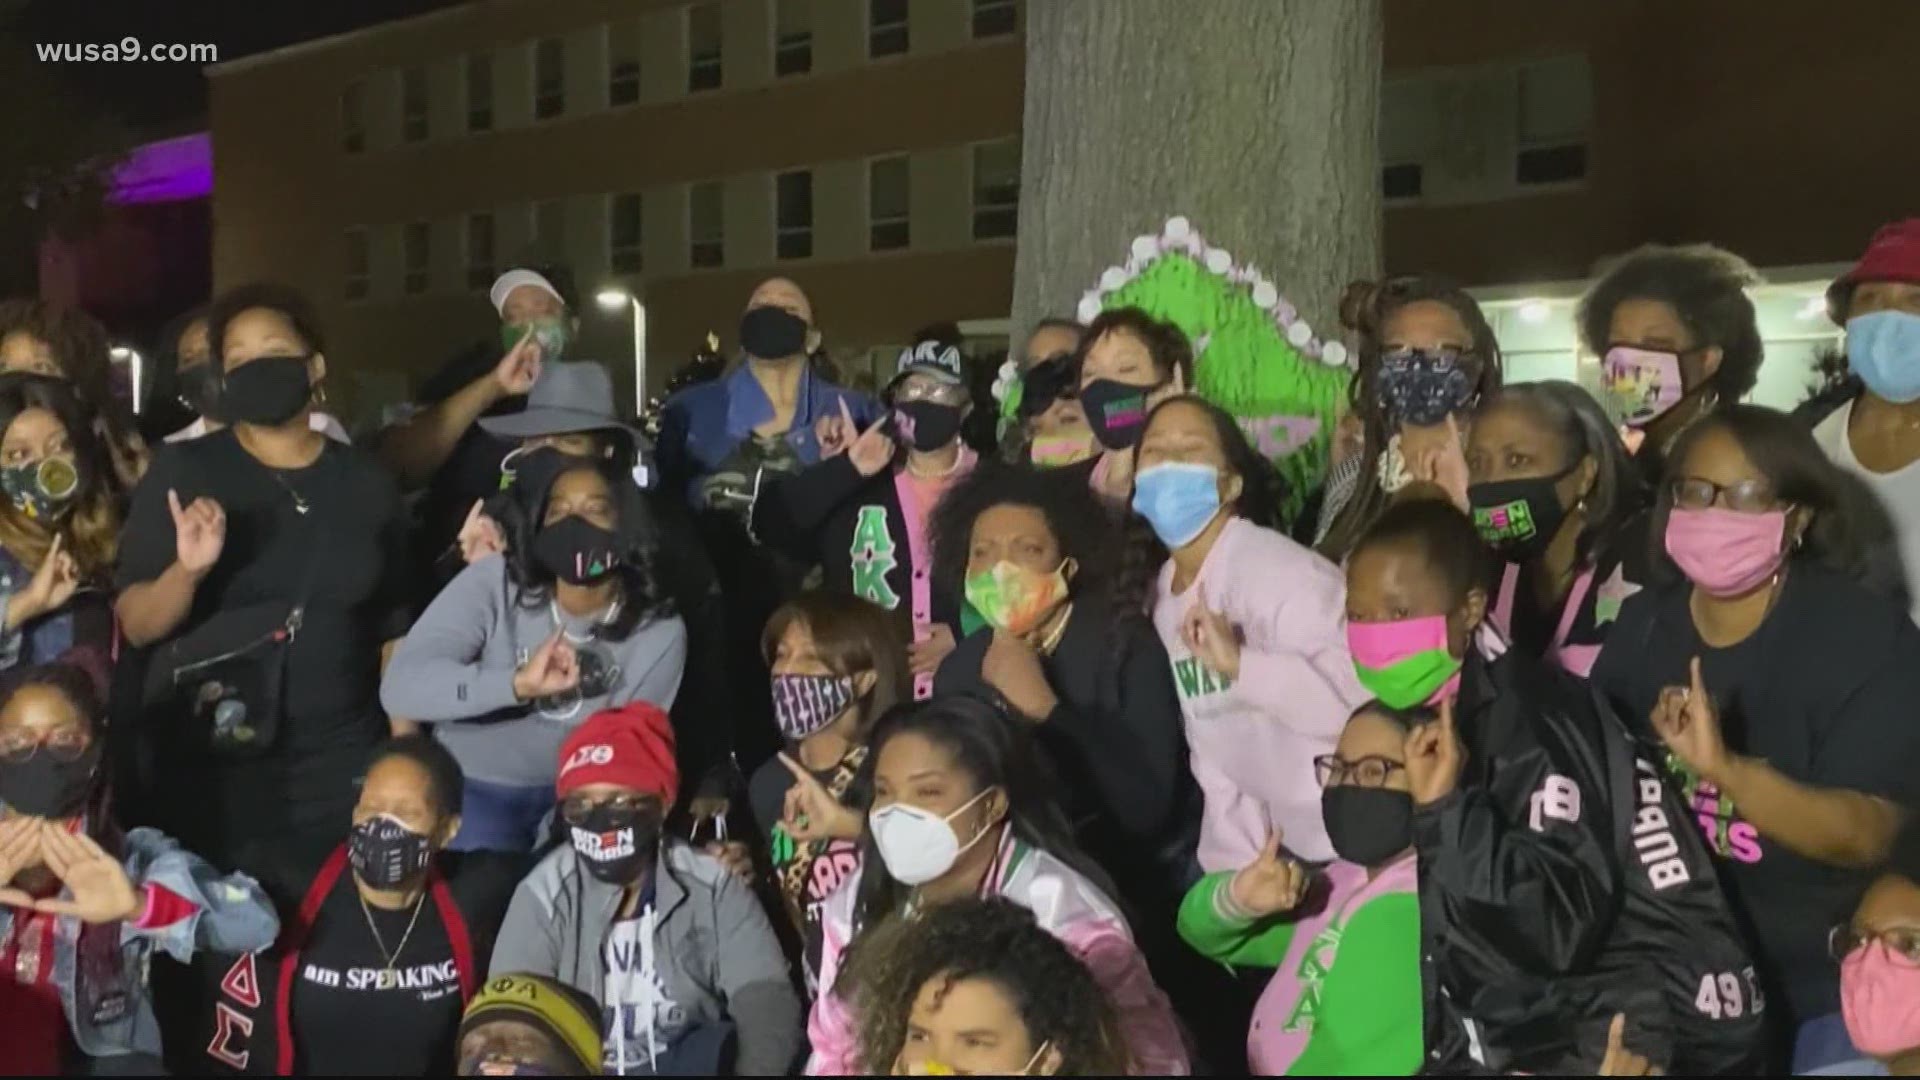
(566,398)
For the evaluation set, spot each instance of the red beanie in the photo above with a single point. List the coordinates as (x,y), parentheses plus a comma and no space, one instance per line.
(631,746)
(1893,255)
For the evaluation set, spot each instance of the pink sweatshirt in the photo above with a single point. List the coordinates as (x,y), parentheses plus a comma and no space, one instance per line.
(1254,740)
(1066,905)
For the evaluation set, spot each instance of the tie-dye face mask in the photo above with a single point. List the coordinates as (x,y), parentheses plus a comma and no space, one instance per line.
(1640,384)
(1014,598)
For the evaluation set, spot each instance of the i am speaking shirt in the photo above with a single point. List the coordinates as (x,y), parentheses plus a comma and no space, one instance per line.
(353,1015)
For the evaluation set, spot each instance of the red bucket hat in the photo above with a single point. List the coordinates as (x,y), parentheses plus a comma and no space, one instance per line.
(1893,255)
(631,746)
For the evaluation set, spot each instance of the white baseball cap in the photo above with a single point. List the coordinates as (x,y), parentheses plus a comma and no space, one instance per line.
(504,285)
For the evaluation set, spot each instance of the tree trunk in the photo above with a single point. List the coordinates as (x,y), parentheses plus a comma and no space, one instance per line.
(1254,119)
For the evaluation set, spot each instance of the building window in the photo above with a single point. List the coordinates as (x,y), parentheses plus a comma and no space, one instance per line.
(703,47)
(413,104)
(1403,181)
(550,227)
(707,224)
(479,251)
(359,265)
(353,118)
(889,204)
(416,256)
(623,63)
(623,234)
(886,28)
(792,37)
(1555,110)
(996,189)
(793,214)
(549,78)
(992,18)
(479,94)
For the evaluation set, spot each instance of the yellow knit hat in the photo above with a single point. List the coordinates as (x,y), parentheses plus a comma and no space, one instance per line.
(571,1017)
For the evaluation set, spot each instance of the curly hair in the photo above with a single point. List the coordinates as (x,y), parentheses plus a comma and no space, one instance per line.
(998,942)
(81,689)
(1365,308)
(850,635)
(1079,522)
(521,513)
(283,300)
(91,530)
(1705,286)
(79,346)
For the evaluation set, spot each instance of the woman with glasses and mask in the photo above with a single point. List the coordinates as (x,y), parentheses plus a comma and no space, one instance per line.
(1878,950)
(263,570)
(1783,691)
(676,949)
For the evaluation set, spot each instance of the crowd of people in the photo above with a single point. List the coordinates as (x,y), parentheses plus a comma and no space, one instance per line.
(797,728)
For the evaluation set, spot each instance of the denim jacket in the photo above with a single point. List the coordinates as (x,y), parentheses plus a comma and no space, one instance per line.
(703,424)
(108,1011)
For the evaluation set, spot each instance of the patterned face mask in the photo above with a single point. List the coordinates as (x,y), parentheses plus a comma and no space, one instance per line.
(1422,387)
(41,490)
(803,704)
(1014,598)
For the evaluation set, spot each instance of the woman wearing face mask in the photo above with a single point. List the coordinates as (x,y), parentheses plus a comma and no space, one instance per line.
(1782,689)
(1128,362)
(1345,999)
(1251,622)
(1677,340)
(979,988)
(1426,358)
(675,948)
(1558,887)
(1878,950)
(266,641)
(1876,435)
(382,947)
(837,666)
(1050,428)
(1557,498)
(961,810)
(522,647)
(83,908)
(68,344)
(863,513)
(58,529)
(195,381)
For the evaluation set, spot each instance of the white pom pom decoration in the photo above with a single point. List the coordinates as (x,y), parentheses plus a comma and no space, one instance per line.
(1112,278)
(1333,354)
(1177,228)
(1145,247)
(1265,295)
(1218,261)
(1299,333)
(1089,309)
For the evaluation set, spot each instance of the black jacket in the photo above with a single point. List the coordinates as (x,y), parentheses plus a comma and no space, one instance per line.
(1542,908)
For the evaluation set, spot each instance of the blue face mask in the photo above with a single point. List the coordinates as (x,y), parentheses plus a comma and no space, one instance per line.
(1883,348)
(1178,499)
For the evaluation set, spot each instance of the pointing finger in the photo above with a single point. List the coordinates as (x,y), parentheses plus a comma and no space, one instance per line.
(1270,850)
(847,414)
(1699,686)
(173,505)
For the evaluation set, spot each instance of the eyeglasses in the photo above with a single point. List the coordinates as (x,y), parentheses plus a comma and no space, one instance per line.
(577,808)
(930,390)
(1370,771)
(1747,496)
(1902,942)
(67,744)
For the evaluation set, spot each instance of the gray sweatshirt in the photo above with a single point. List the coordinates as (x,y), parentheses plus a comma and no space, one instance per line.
(455,670)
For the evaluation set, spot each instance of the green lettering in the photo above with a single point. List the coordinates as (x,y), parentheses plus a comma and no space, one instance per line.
(872,557)
(1187,677)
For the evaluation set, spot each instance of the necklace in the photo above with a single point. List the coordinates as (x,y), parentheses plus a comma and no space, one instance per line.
(299,504)
(560,623)
(948,471)
(391,957)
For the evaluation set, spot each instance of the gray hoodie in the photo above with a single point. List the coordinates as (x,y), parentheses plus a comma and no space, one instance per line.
(713,956)
(455,670)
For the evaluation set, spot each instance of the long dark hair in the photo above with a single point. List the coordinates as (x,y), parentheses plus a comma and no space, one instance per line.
(1365,309)
(1262,494)
(1582,426)
(996,751)
(521,513)
(92,526)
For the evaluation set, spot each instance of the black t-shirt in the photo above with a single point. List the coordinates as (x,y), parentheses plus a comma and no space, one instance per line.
(804,874)
(470,473)
(353,1015)
(1824,691)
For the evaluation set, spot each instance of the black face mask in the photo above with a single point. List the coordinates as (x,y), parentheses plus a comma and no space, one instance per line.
(576,551)
(772,333)
(268,391)
(1117,412)
(386,854)
(615,845)
(1518,518)
(1367,826)
(200,391)
(44,786)
(926,425)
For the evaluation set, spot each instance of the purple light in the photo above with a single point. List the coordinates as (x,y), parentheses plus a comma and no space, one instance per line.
(171,170)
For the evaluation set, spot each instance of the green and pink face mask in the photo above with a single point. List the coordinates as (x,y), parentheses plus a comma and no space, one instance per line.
(1404,662)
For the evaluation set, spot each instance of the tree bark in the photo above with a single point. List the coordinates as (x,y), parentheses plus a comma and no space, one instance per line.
(1255,119)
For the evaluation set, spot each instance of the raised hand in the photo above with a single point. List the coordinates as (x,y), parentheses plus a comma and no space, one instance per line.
(873,450)
(53,584)
(19,849)
(810,812)
(1620,1061)
(554,668)
(1211,638)
(516,372)
(1434,757)
(1271,883)
(1685,719)
(834,432)
(925,656)
(1444,465)
(480,536)
(199,533)
(1012,667)
(99,888)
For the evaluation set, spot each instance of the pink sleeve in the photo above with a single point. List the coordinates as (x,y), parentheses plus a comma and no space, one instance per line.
(1308,682)
(830,1023)
(1233,824)
(1153,1036)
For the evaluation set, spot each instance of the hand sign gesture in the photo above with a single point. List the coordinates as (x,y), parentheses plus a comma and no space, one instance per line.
(834,432)
(19,849)
(53,584)
(1012,667)
(516,371)
(1620,1061)
(1686,720)
(199,533)
(1213,640)
(479,536)
(1445,467)
(810,812)
(99,886)
(554,668)
(1434,757)
(873,450)
(1271,883)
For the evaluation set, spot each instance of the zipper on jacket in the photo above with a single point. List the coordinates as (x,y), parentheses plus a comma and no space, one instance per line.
(285,633)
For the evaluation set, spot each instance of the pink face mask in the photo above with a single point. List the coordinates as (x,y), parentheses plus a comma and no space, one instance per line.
(1640,384)
(1726,552)
(1880,998)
